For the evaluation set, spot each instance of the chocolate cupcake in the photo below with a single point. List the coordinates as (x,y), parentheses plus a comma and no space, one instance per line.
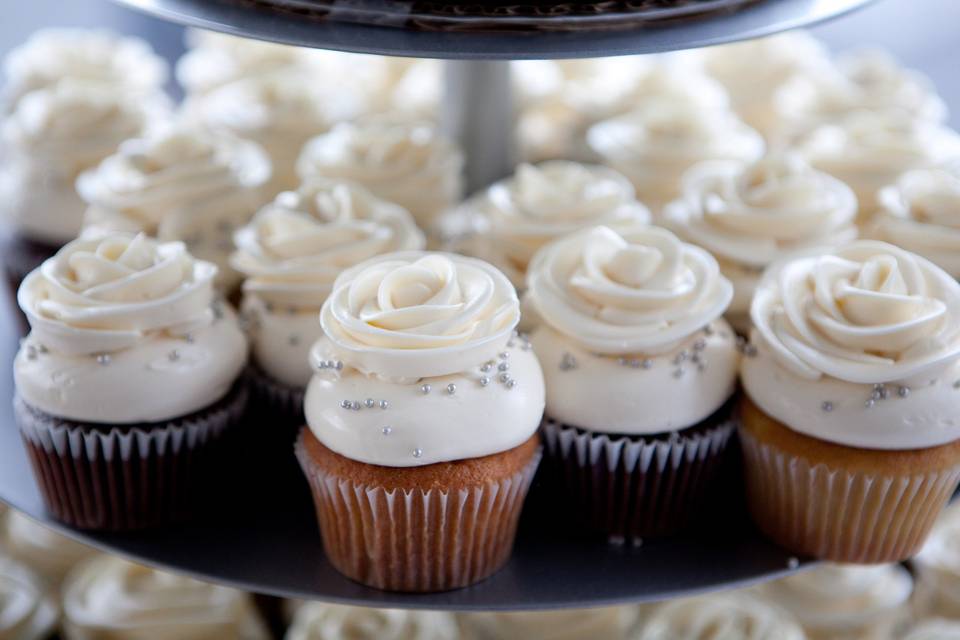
(640,369)
(851,402)
(128,381)
(427,404)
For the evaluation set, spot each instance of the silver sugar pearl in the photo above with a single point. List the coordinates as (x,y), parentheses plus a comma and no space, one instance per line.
(503,366)
(173,355)
(339,365)
(387,430)
(345,404)
(504,377)
(680,357)
(869,403)
(369,403)
(425,389)
(678,373)
(355,405)
(699,344)
(903,392)
(418,453)
(504,355)
(484,381)
(451,389)
(188,338)
(646,364)
(827,406)
(103,359)
(384,404)
(793,563)
(511,383)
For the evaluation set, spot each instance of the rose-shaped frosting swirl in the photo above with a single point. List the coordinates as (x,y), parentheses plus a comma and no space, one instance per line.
(39,547)
(317,621)
(865,313)
(921,213)
(117,63)
(637,291)
(404,162)
(107,598)
(606,623)
(27,611)
(102,295)
(739,615)
(415,314)
(540,203)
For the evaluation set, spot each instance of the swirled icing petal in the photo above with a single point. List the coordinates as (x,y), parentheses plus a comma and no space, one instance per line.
(740,615)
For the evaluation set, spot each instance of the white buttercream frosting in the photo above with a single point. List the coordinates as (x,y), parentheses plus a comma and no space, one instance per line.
(409,163)
(723,616)
(292,252)
(423,347)
(938,567)
(27,609)
(655,144)
(607,623)
(107,598)
(180,183)
(39,547)
(750,215)
(846,601)
(921,213)
(934,629)
(539,203)
(117,63)
(837,333)
(318,621)
(123,331)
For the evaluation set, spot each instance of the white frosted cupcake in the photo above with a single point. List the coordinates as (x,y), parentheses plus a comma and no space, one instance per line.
(938,569)
(870,150)
(290,255)
(111,599)
(423,389)
(117,63)
(48,553)
(639,368)
(608,623)
(655,144)
(27,609)
(126,339)
(179,183)
(739,615)
(513,218)
(408,163)
(843,601)
(319,621)
(921,213)
(751,215)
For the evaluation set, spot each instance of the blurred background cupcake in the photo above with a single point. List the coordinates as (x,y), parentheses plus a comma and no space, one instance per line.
(28,608)
(45,551)
(937,568)
(734,614)
(321,621)
(606,623)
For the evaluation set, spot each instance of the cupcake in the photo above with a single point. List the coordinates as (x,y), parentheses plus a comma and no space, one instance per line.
(640,369)
(53,135)
(750,215)
(754,71)
(738,615)
(27,610)
(606,623)
(937,567)
(850,397)
(408,163)
(179,183)
(48,553)
(842,601)
(290,255)
(116,63)
(111,599)
(513,218)
(320,621)
(870,150)
(655,144)
(919,213)
(419,390)
(934,629)
(130,365)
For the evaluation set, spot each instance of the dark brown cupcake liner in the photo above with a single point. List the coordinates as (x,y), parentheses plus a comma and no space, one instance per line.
(120,478)
(421,540)
(632,487)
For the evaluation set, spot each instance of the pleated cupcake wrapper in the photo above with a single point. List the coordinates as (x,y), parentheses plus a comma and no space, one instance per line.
(417,541)
(632,487)
(838,514)
(120,478)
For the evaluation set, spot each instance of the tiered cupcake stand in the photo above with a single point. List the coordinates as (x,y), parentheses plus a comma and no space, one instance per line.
(261,534)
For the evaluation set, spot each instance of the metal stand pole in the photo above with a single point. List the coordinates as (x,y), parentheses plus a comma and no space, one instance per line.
(478,113)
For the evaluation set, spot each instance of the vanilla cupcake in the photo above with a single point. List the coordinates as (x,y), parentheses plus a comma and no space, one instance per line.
(750,215)
(921,213)
(419,391)
(640,368)
(290,255)
(27,610)
(515,217)
(408,163)
(655,144)
(856,354)
(111,599)
(938,569)
(126,339)
(606,623)
(48,553)
(738,615)
(320,621)
(934,629)
(121,64)
(842,601)
(870,150)
(179,183)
